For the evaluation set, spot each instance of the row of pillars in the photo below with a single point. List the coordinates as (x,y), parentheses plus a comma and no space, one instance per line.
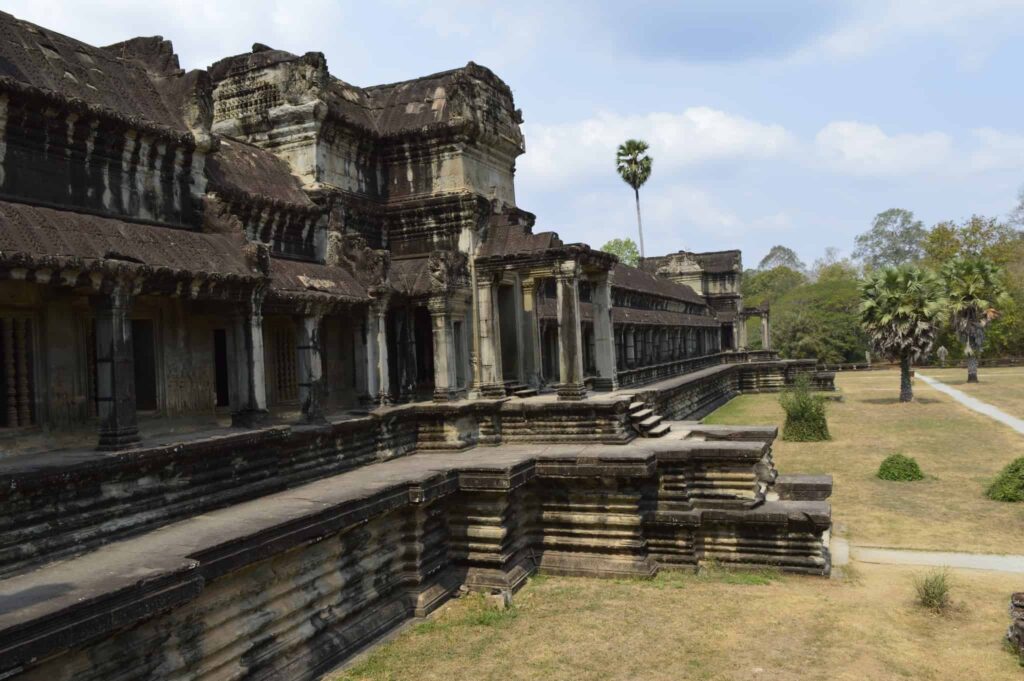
(115,384)
(571,386)
(766,337)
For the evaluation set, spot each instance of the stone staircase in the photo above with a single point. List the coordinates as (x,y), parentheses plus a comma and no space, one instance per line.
(647,423)
(513,389)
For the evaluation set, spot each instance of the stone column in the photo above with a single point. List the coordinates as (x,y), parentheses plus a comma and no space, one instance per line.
(604,334)
(741,337)
(115,371)
(311,369)
(530,334)
(629,338)
(570,352)
(766,337)
(491,382)
(250,408)
(359,362)
(378,381)
(445,387)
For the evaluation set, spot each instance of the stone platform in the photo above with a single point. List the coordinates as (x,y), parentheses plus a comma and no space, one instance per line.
(289,584)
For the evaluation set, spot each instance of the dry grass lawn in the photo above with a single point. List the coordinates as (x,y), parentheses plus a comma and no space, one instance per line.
(959,451)
(722,626)
(1002,387)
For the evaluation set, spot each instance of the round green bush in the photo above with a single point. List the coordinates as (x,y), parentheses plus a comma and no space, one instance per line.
(900,468)
(1009,484)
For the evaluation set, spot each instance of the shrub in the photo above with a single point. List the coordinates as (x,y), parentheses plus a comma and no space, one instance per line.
(900,468)
(1009,484)
(805,413)
(933,590)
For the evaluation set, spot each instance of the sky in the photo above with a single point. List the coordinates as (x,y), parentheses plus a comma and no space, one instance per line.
(787,122)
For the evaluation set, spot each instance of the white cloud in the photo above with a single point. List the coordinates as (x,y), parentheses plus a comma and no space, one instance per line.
(996,150)
(557,153)
(863,149)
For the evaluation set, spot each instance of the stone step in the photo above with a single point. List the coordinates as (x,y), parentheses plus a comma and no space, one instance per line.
(658,431)
(641,414)
(633,406)
(513,388)
(525,392)
(650,422)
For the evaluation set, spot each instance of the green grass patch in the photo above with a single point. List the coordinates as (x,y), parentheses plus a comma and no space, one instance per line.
(900,468)
(1009,484)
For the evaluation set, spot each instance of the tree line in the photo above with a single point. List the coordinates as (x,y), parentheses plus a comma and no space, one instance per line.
(971,274)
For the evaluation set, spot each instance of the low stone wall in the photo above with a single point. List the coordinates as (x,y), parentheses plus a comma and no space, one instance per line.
(289,585)
(1015,635)
(695,395)
(61,503)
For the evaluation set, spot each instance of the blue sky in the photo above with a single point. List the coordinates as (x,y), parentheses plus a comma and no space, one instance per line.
(789,122)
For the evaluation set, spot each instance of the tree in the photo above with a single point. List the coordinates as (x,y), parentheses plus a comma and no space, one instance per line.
(634,166)
(1016,216)
(901,309)
(895,239)
(625,249)
(820,320)
(973,287)
(780,255)
(769,286)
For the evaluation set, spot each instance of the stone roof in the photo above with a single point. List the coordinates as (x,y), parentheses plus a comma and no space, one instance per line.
(635,279)
(510,240)
(293,276)
(712,262)
(240,167)
(629,315)
(44,60)
(50,237)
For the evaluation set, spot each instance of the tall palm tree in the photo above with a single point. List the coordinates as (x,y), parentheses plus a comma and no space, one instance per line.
(901,309)
(973,287)
(634,165)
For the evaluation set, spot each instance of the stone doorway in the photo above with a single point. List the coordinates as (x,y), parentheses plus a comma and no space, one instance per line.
(509,332)
(144,355)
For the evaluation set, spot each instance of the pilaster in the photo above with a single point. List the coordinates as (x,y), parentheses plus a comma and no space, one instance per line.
(604,333)
(250,409)
(115,371)
(570,350)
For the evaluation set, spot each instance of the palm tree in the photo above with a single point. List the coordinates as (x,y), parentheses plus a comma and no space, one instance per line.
(973,287)
(634,165)
(901,308)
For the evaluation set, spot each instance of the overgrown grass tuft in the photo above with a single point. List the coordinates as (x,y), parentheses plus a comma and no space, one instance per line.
(900,468)
(1009,484)
(805,413)
(933,590)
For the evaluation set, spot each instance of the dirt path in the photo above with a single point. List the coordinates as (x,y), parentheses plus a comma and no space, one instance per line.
(975,404)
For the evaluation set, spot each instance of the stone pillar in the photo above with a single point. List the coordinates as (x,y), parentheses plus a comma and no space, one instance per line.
(115,371)
(491,382)
(766,338)
(604,334)
(570,352)
(250,408)
(311,369)
(445,386)
(741,337)
(359,362)
(378,381)
(530,334)
(629,338)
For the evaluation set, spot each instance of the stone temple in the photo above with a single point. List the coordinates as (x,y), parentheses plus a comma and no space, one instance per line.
(283,365)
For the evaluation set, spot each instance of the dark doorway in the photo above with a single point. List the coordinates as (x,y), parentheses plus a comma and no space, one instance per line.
(144,351)
(220,366)
(727,337)
(508,328)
